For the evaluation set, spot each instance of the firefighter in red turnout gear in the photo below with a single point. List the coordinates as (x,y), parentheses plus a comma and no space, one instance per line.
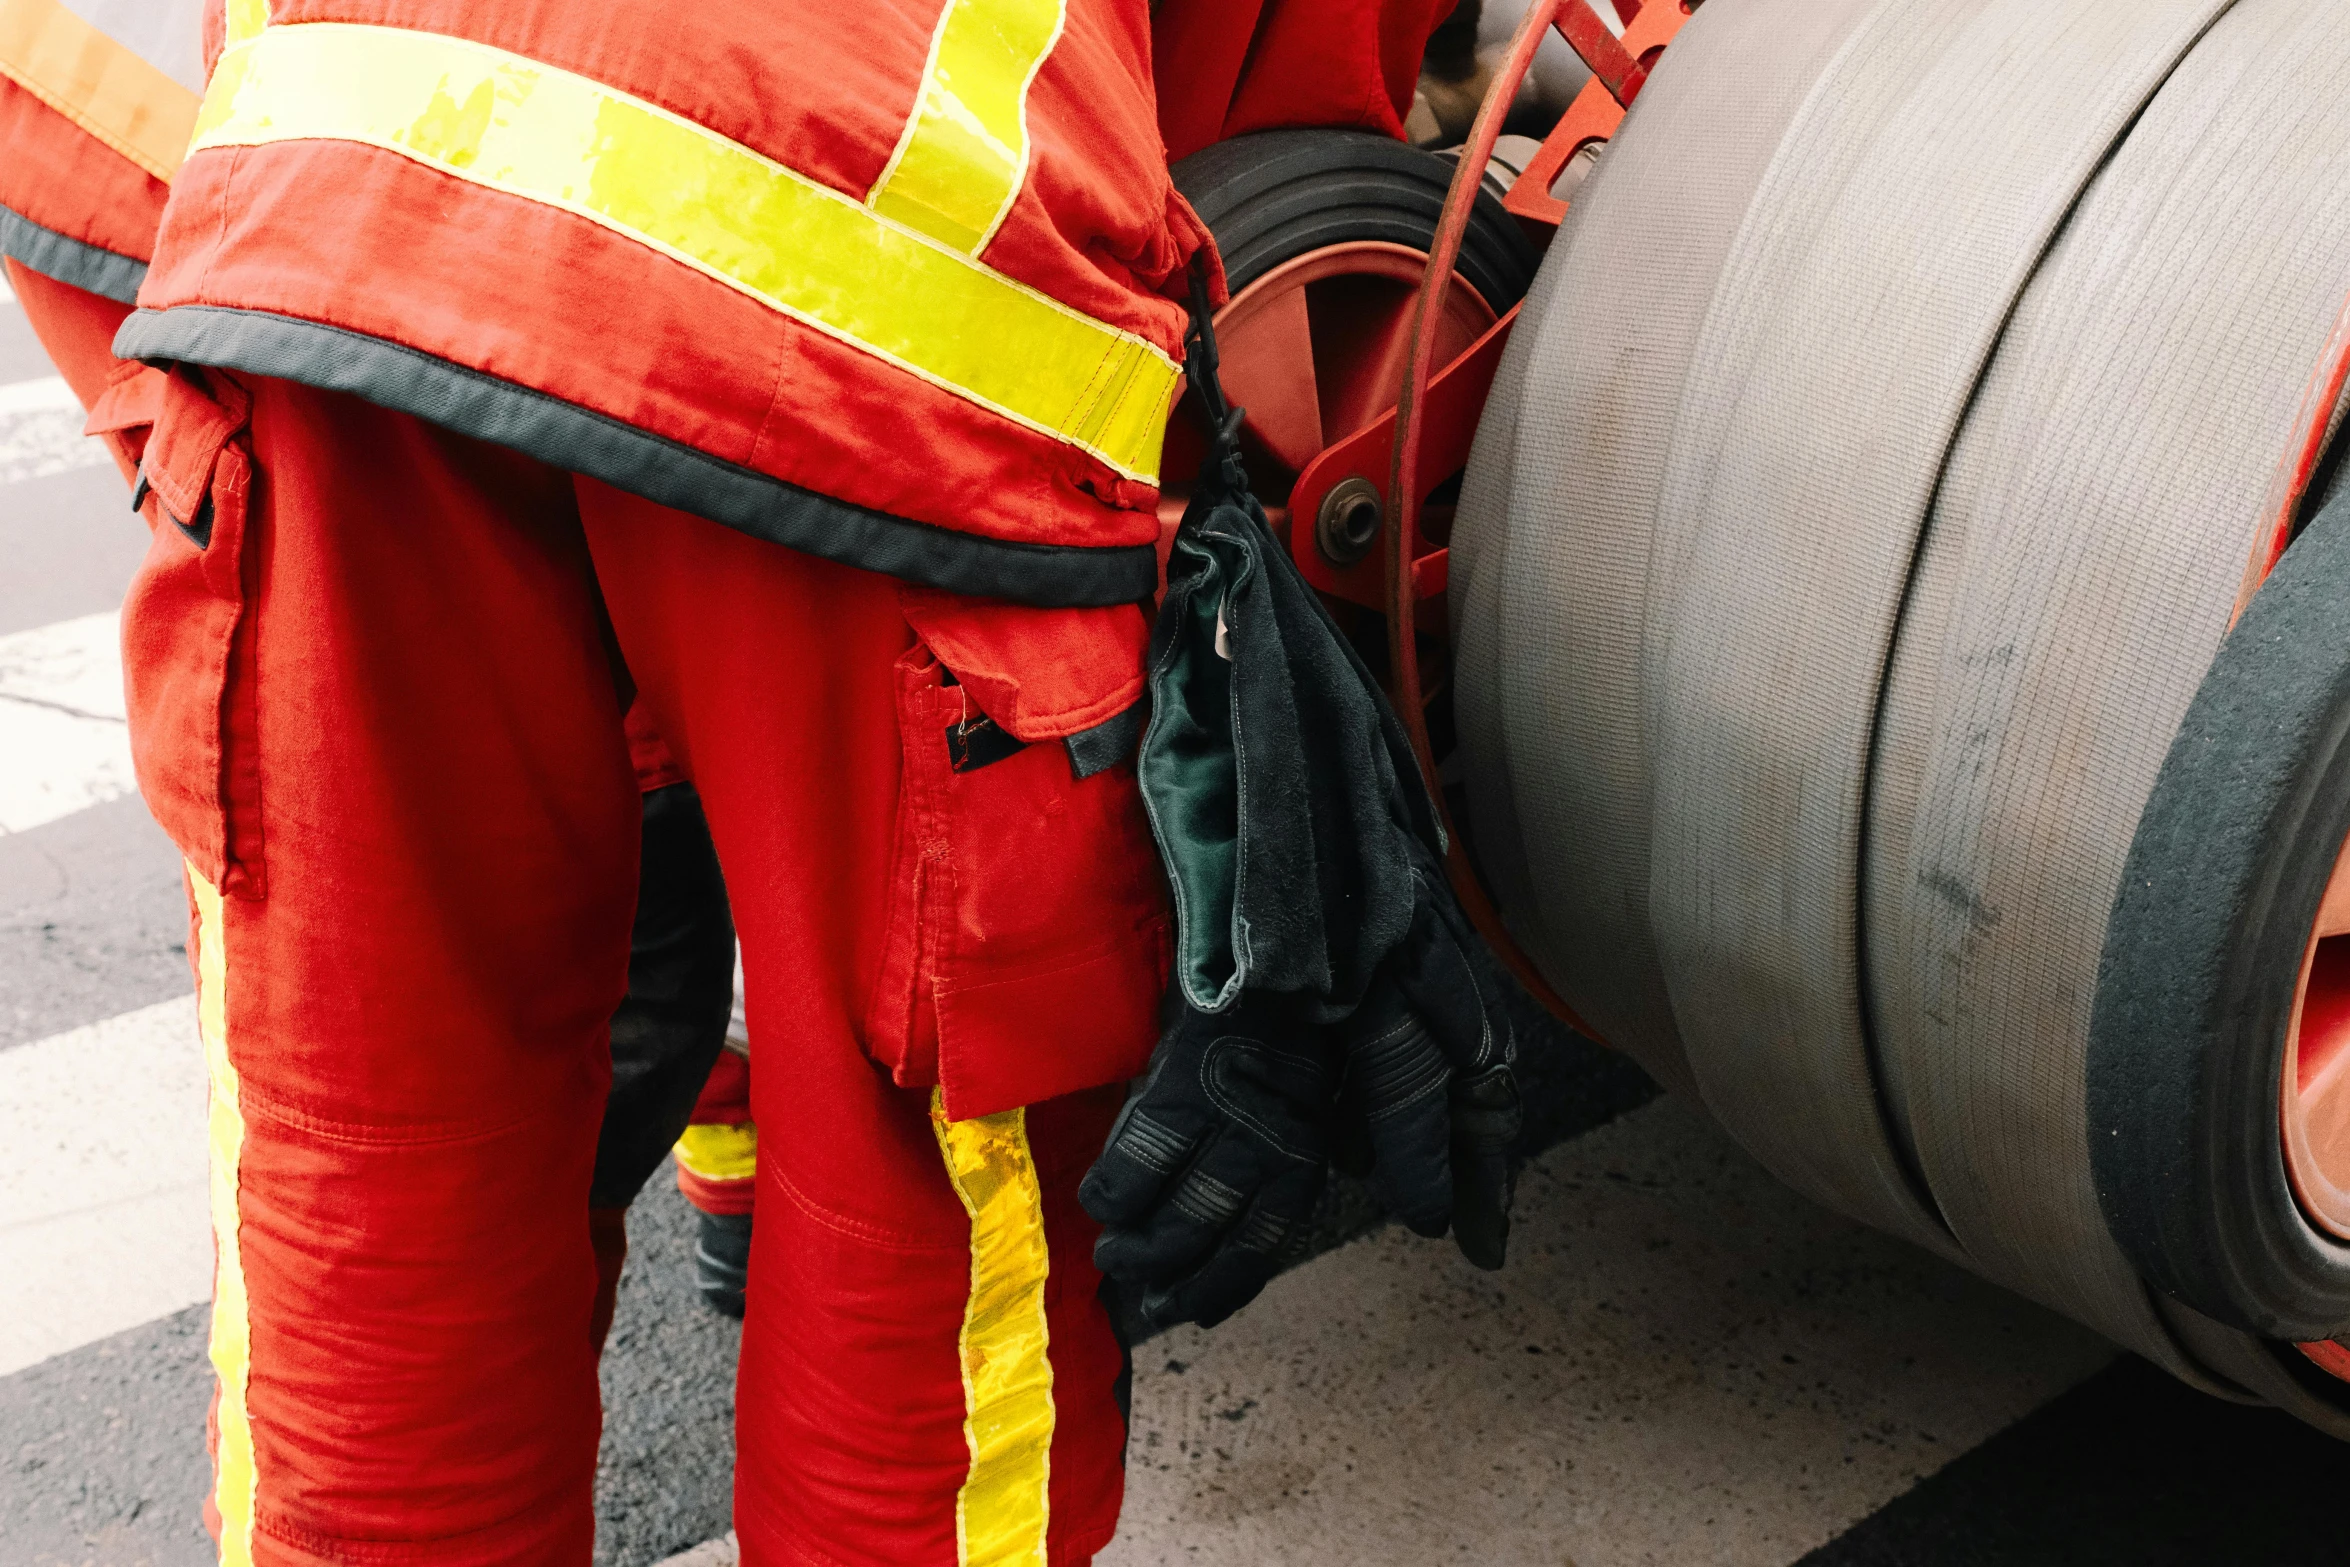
(798,374)
(927,1366)
(376,658)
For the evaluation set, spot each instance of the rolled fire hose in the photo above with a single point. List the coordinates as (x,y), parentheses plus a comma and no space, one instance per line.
(1864,497)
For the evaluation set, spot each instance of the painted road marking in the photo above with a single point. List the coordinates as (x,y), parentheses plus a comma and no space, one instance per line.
(1683,1362)
(41,431)
(64,744)
(103,1216)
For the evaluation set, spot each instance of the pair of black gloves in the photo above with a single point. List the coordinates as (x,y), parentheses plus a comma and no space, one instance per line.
(1331,1004)
(1215,1167)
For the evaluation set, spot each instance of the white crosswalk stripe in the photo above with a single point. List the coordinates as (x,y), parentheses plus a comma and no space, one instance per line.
(103,1218)
(64,745)
(41,431)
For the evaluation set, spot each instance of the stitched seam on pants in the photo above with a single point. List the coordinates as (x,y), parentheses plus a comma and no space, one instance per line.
(421,1135)
(1059,963)
(393,1553)
(858,1229)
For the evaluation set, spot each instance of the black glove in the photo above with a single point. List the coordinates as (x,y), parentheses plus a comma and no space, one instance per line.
(1429,1105)
(1214,1167)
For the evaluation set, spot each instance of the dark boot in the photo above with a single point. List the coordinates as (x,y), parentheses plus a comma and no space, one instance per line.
(722,1260)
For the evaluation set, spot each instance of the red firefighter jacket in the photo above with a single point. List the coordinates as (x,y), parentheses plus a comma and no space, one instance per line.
(893,283)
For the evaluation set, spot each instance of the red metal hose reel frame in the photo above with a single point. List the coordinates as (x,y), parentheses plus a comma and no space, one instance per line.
(1445,401)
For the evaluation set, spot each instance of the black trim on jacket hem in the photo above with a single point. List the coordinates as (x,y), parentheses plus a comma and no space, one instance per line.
(84,266)
(563,434)
(1115,739)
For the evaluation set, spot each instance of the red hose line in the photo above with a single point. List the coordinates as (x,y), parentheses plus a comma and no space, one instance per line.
(1403,533)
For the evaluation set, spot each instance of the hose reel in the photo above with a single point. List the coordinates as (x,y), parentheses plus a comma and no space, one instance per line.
(1867,492)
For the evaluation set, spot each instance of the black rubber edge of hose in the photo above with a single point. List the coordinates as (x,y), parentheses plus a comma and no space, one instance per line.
(2202,956)
(1273,196)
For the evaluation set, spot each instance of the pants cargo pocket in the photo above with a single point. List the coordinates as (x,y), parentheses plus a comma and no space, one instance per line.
(184,643)
(125,412)
(1027,946)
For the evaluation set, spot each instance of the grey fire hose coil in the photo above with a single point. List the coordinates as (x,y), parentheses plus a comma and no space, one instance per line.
(1870,505)
(1550,558)
(2117,462)
(1900,224)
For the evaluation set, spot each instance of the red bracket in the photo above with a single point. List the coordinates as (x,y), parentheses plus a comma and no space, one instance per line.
(1613,65)
(1455,399)
(1425,438)
(1597,112)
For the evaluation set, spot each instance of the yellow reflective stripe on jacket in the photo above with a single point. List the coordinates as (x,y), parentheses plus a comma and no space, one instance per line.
(1001,1513)
(965,150)
(552,136)
(244,19)
(720,1153)
(235,1477)
(95,82)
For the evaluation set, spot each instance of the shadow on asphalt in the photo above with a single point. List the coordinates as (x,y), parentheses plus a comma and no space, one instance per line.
(2130,1469)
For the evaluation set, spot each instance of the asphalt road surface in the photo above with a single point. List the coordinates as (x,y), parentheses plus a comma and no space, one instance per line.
(1683,1363)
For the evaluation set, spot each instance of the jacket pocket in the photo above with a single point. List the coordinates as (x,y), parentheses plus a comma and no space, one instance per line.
(1027,943)
(186,642)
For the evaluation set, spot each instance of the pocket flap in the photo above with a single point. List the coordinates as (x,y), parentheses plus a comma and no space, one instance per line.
(192,423)
(1041,674)
(1029,1037)
(133,397)
(186,648)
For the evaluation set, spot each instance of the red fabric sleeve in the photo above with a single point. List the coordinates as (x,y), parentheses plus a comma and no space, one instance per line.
(60,176)
(1227,67)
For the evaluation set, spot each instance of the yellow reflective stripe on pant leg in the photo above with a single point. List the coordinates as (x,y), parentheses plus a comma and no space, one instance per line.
(965,150)
(825,259)
(720,1153)
(1001,1513)
(235,1477)
(95,82)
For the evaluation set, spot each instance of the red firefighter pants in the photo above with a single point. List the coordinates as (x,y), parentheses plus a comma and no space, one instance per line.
(376,693)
